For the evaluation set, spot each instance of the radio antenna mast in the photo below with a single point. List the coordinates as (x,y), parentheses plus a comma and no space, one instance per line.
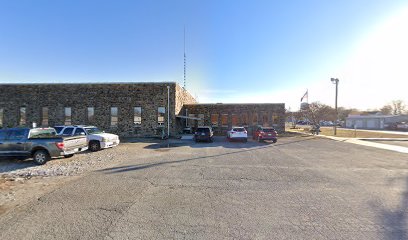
(184,85)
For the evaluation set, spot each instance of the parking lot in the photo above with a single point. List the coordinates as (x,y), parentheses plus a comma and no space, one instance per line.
(301,187)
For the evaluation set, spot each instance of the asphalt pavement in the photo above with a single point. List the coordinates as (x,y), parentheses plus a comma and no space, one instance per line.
(302,187)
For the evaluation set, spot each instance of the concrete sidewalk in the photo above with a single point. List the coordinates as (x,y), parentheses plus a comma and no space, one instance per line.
(367,142)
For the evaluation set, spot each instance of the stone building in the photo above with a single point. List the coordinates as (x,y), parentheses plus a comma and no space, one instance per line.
(128,109)
(224,116)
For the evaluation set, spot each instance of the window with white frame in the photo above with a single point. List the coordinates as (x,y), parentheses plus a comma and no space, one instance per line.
(114,116)
(201,121)
(68,116)
(161,111)
(1,117)
(91,114)
(137,116)
(23,116)
(44,117)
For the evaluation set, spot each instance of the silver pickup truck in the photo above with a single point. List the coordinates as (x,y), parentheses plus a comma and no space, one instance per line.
(39,143)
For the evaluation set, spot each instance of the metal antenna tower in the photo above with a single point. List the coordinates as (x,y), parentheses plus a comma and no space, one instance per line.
(184,85)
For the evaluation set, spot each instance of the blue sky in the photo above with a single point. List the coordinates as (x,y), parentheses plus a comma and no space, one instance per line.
(237,51)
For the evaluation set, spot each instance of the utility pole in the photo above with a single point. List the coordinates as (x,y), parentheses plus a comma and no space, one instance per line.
(335,81)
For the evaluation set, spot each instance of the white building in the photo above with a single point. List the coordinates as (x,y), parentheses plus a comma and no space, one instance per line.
(373,121)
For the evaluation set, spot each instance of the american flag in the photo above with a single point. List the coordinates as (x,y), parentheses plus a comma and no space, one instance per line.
(306,95)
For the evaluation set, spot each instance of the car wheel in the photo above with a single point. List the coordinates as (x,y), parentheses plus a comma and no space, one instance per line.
(275,140)
(94,146)
(259,139)
(68,156)
(40,157)
(211,140)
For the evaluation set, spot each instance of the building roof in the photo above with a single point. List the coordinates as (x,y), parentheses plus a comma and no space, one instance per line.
(371,116)
(87,83)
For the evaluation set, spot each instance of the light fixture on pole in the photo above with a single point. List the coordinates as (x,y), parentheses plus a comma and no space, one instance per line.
(168,111)
(335,81)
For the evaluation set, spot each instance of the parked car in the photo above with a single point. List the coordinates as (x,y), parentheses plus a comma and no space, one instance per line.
(97,139)
(39,143)
(203,134)
(237,133)
(265,133)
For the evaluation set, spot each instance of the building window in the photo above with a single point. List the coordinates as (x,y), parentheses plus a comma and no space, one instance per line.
(44,114)
(23,117)
(234,119)
(114,116)
(214,120)
(224,120)
(275,119)
(137,117)
(68,116)
(201,121)
(191,121)
(244,119)
(160,115)
(1,117)
(265,121)
(91,114)
(255,118)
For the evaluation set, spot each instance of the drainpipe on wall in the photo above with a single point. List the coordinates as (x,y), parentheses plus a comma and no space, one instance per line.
(168,111)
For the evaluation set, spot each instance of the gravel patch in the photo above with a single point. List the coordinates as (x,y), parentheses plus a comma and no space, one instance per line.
(78,164)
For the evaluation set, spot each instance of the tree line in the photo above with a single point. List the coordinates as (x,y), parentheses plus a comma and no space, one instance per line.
(316,112)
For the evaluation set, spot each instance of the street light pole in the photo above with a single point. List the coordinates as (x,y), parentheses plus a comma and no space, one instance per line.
(335,81)
(168,111)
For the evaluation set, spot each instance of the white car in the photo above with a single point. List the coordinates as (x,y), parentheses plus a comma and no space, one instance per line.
(97,139)
(237,133)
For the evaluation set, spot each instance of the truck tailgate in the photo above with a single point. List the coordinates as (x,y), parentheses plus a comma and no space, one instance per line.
(71,143)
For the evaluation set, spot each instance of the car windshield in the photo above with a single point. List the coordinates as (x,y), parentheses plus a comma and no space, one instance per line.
(42,133)
(269,130)
(93,130)
(200,130)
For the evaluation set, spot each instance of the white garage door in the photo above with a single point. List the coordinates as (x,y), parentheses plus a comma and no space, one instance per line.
(371,123)
(359,123)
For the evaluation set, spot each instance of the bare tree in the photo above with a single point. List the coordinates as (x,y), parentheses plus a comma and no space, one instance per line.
(398,107)
(345,112)
(386,109)
(317,112)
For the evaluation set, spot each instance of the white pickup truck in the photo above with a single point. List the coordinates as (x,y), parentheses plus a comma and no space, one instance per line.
(97,139)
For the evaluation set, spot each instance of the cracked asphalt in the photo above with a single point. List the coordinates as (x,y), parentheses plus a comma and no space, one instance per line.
(300,188)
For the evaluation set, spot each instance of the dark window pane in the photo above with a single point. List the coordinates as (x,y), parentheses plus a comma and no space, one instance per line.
(16,134)
(68,131)
(78,132)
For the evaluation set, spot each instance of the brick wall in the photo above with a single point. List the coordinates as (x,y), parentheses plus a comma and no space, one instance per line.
(102,97)
(124,96)
(268,114)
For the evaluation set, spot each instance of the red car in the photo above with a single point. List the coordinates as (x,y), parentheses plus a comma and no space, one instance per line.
(265,133)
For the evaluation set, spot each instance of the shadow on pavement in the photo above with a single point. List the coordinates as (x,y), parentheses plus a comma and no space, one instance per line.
(218,142)
(155,164)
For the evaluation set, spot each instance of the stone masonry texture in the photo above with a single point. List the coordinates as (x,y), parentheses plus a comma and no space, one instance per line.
(124,96)
(262,114)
